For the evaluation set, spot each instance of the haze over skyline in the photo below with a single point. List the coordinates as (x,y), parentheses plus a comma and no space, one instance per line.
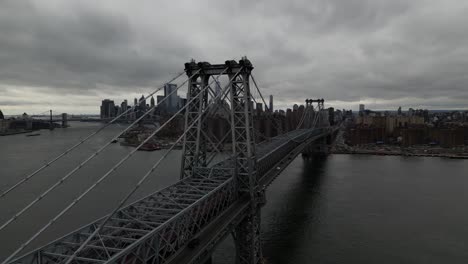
(69,55)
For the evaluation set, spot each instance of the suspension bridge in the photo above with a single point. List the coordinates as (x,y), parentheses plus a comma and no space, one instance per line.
(217,194)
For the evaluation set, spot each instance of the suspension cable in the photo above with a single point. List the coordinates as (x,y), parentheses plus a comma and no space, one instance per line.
(263,99)
(28,177)
(92,156)
(141,181)
(114,168)
(304,114)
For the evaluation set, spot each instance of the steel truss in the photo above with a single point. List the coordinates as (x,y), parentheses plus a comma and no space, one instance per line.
(151,230)
(157,228)
(194,147)
(209,201)
(243,145)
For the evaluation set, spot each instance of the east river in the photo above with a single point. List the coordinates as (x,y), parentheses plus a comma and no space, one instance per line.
(342,209)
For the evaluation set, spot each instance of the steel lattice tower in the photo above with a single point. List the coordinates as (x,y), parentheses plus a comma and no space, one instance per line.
(247,233)
(194,151)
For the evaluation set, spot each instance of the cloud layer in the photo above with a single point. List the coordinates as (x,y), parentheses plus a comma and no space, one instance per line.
(68,55)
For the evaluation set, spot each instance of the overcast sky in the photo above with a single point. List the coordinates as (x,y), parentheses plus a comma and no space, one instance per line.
(69,55)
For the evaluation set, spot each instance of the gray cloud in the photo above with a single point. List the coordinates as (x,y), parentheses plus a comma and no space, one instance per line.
(387,52)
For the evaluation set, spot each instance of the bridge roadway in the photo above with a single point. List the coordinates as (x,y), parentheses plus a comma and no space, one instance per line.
(163,227)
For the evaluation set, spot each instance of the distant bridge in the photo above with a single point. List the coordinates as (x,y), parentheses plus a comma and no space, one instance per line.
(184,222)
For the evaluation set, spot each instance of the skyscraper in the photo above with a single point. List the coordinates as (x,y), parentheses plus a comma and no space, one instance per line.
(362,108)
(152,101)
(142,104)
(124,107)
(271,103)
(107,108)
(259,107)
(172,100)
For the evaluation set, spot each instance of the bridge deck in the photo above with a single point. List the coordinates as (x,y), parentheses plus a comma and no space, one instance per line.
(160,226)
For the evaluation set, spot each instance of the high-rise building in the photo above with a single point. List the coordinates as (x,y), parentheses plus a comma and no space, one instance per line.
(172,101)
(152,101)
(124,104)
(1,115)
(142,101)
(135,101)
(142,105)
(259,107)
(271,103)
(362,108)
(107,108)
(123,108)
(160,99)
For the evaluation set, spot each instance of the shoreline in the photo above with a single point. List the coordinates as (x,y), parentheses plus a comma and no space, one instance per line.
(15,133)
(393,153)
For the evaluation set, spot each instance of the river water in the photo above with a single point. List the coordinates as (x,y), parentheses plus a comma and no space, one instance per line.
(341,209)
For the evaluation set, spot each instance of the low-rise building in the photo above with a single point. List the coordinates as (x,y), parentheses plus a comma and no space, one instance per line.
(4,125)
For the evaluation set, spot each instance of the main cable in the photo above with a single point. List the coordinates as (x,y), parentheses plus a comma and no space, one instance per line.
(114,168)
(92,156)
(28,177)
(266,107)
(143,179)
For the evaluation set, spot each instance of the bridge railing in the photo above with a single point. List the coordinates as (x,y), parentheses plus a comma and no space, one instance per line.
(164,241)
(151,229)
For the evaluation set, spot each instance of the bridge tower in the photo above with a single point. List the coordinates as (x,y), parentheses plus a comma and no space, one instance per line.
(238,98)
(317,118)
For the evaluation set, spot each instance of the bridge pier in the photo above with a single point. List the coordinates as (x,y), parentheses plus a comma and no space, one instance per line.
(209,260)
(247,239)
(318,148)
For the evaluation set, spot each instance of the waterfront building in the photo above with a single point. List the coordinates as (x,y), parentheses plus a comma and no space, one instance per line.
(107,108)
(4,125)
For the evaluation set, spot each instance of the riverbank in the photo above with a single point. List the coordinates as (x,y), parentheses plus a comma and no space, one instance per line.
(10,133)
(406,154)
(460,152)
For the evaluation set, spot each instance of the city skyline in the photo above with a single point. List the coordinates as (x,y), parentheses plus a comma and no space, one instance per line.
(379,53)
